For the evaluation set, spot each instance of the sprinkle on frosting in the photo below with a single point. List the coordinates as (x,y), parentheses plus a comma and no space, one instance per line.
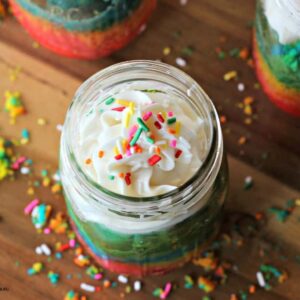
(138,139)
(88,161)
(171,121)
(110,100)
(178,153)
(119,108)
(160,118)
(150,140)
(118,157)
(157,125)
(147,115)
(143,125)
(173,143)
(100,154)
(128,178)
(153,160)
(116,150)
(177,127)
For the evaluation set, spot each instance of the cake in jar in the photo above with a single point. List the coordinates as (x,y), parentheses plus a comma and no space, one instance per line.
(85,29)
(277,52)
(143,168)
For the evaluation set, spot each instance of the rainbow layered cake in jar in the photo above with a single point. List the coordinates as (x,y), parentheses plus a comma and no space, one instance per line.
(143,168)
(86,29)
(277,52)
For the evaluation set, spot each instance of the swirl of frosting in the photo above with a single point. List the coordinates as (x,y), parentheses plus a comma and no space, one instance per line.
(141,143)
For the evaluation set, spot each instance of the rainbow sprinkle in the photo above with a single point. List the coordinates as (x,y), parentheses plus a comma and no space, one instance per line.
(163,293)
(132,130)
(6,155)
(153,160)
(128,178)
(178,153)
(100,153)
(147,115)
(173,143)
(160,118)
(157,125)
(188,282)
(136,137)
(118,157)
(127,119)
(35,269)
(206,284)
(171,121)
(120,108)
(71,295)
(150,140)
(53,277)
(110,100)
(40,215)
(88,161)
(14,105)
(29,208)
(143,125)
(25,136)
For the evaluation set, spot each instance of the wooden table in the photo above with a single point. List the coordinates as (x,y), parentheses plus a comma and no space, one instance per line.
(271,155)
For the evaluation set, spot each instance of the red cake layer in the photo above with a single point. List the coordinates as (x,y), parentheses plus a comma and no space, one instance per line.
(88,44)
(285,98)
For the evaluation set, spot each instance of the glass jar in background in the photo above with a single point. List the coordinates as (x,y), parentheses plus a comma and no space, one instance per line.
(86,29)
(277,52)
(150,235)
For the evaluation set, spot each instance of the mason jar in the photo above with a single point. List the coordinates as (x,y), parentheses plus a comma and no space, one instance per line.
(144,235)
(86,29)
(277,52)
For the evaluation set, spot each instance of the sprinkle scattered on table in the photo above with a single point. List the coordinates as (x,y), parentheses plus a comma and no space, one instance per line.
(181,62)
(41,121)
(14,105)
(248,183)
(282,214)
(230,75)
(46,220)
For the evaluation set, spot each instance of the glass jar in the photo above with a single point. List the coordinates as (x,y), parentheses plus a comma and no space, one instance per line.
(86,29)
(277,52)
(149,235)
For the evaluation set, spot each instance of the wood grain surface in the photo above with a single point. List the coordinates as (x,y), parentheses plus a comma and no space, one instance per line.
(48,82)
(201,24)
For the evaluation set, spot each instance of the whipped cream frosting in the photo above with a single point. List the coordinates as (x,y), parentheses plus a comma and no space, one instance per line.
(284,17)
(141,143)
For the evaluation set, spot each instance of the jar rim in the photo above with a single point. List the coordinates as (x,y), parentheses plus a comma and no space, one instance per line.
(204,174)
